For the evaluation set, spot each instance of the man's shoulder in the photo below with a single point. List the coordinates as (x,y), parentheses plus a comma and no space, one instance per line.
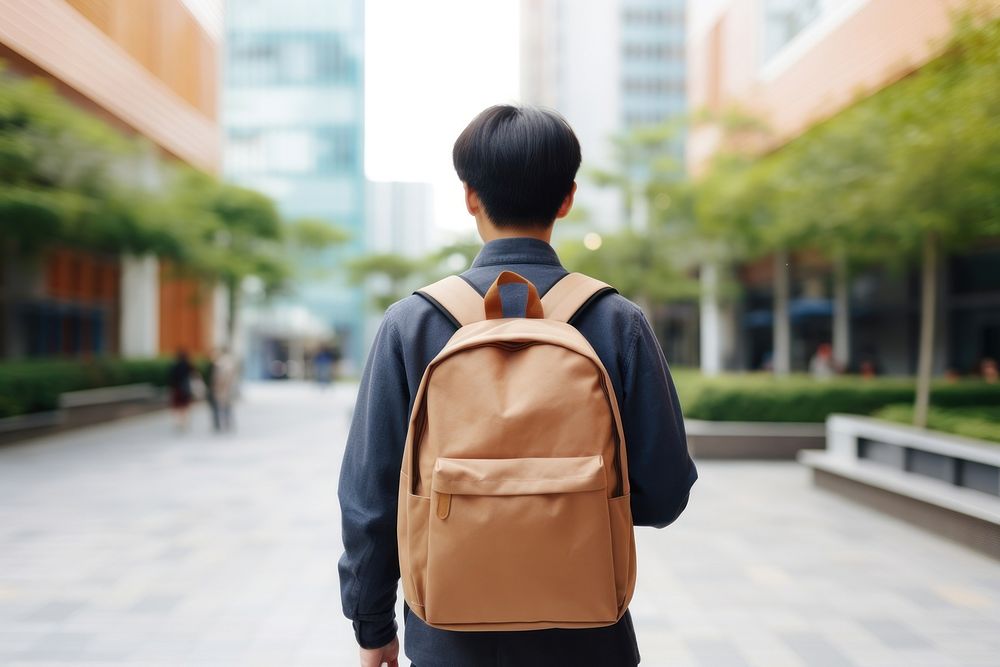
(618,305)
(409,313)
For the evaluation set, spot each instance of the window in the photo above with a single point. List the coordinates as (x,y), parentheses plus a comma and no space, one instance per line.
(785,19)
(308,150)
(289,58)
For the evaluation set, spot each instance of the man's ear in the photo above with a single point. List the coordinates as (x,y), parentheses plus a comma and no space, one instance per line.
(472,203)
(567,204)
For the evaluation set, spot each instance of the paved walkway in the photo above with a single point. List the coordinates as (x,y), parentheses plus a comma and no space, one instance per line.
(129,544)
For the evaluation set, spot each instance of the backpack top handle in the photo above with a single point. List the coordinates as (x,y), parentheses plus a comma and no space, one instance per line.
(493,304)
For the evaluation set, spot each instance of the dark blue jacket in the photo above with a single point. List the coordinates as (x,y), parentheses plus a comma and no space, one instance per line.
(413,332)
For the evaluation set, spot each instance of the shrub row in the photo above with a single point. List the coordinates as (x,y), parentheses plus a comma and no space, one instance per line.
(35,386)
(760,398)
(982,422)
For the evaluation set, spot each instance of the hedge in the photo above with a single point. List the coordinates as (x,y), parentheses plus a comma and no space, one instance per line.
(765,398)
(35,386)
(982,422)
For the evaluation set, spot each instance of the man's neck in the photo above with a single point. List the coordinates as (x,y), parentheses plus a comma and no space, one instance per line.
(490,232)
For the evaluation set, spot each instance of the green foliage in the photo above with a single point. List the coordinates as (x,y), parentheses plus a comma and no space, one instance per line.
(799,398)
(35,386)
(919,157)
(451,258)
(982,422)
(639,268)
(650,262)
(392,276)
(393,266)
(67,178)
(310,234)
(389,273)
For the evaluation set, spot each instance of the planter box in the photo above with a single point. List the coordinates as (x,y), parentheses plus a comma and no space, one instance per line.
(84,408)
(941,482)
(752,440)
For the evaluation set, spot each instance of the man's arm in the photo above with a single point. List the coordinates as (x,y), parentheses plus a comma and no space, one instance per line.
(369,487)
(661,471)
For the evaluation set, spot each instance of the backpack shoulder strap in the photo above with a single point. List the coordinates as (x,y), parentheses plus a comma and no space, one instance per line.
(456,299)
(571,295)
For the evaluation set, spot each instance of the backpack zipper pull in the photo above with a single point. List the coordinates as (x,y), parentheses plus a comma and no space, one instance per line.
(443,505)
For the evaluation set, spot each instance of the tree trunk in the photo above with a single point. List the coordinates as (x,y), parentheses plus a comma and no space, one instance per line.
(233,290)
(841,314)
(928,314)
(782,353)
(639,214)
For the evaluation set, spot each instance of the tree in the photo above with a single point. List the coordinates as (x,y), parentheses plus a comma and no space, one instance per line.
(67,178)
(390,272)
(944,160)
(391,276)
(905,175)
(643,261)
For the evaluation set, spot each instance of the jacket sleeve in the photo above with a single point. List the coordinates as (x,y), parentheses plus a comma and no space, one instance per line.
(369,487)
(661,471)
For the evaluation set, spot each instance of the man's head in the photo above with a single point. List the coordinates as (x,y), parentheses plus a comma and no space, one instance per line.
(518,165)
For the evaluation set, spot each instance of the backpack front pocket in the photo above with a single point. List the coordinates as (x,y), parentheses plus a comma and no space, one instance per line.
(520,540)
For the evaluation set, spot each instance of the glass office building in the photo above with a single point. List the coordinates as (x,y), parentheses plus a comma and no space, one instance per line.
(293,112)
(608,66)
(653,70)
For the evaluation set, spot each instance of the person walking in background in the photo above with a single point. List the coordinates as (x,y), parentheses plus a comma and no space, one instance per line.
(323,367)
(180,381)
(821,366)
(518,166)
(222,390)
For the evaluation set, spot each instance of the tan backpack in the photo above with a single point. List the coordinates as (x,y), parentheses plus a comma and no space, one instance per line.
(514,494)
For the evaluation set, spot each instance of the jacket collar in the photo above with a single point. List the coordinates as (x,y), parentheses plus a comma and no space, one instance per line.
(519,250)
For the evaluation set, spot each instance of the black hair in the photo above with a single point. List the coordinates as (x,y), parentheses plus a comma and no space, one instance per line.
(521,161)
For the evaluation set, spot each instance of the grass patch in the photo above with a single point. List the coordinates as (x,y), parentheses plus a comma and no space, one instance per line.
(981,422)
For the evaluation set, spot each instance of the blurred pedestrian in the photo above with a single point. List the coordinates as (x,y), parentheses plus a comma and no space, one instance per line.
(323,367)
(222,390)
(869,366)
(988,370)
(821,366)
(180,379)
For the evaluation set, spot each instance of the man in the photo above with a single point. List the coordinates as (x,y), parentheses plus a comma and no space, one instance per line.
(518,165)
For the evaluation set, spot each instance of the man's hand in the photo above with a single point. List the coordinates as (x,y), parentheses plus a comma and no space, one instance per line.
(376,657)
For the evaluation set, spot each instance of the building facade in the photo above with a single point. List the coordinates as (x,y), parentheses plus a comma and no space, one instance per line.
(793,64)
(148,69)
(294,129)
(607,66)
(400,221)
(400,217)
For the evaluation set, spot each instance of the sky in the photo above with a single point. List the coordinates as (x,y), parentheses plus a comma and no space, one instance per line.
(431,66)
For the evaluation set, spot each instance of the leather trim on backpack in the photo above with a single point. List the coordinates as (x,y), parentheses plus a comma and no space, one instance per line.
(586,304)
(456,299)
(571,295)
